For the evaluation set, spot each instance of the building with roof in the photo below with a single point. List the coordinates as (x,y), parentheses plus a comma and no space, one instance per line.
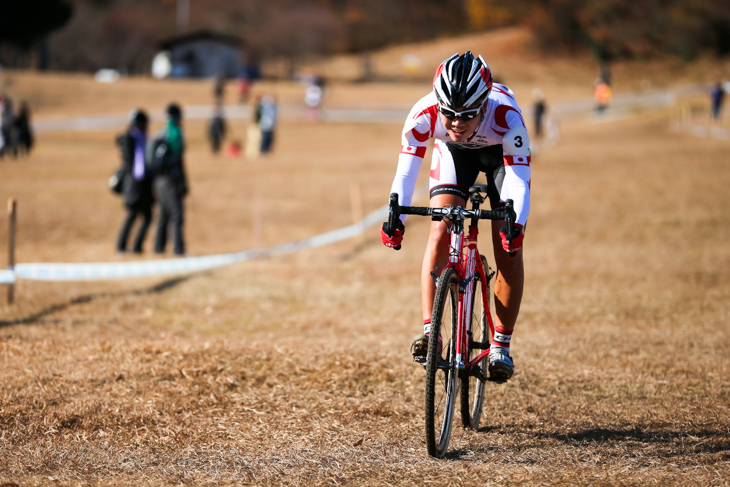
(203,54)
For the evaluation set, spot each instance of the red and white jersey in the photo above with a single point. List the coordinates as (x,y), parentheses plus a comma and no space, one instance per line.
(503,124)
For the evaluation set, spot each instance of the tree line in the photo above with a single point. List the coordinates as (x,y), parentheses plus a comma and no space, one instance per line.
(124,34)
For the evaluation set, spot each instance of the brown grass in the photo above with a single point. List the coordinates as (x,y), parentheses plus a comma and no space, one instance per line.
(295,369)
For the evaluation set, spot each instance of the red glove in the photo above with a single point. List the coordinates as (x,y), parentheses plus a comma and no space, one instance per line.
(512,243)
(394,240)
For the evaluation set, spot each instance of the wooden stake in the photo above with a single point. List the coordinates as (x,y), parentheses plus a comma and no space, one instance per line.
(12,205)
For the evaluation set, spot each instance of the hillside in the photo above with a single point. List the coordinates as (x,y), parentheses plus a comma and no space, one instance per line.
(508,51)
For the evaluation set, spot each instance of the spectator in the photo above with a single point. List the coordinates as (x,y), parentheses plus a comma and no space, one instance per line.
(23,130)
(6,126)
(266,117)
(313,99)
(716,96)
(253,132)
(602,94)
(217,130)
(2,136)
(244,86)
(540,107)
(166,152)
(219,89)
(604,72)
(137,181)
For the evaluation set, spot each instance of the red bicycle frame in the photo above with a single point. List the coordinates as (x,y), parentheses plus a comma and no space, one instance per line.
(464,259)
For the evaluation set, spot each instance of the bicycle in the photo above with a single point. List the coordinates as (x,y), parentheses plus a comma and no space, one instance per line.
(461,319)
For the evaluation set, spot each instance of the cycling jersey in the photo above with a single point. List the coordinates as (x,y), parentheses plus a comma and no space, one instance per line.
(502,125)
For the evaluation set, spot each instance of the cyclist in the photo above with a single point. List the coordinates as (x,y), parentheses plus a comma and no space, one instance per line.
(477,127)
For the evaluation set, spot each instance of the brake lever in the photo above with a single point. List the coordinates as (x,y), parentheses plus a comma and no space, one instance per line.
(509,218)
(393,216)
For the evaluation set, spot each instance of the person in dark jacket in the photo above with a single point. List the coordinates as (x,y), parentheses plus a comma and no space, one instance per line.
(7,135)
(137,180)
(166,152)
(217,130)
(23,131)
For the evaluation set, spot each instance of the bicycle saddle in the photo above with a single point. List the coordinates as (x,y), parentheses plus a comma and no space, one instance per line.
(478,188)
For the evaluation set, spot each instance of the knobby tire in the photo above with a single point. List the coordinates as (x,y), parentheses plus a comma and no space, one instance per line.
(442,385)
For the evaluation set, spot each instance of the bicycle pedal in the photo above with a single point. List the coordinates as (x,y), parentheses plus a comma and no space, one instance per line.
(421,359)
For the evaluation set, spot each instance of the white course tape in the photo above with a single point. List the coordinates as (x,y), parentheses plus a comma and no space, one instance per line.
(118,270)
(7,277)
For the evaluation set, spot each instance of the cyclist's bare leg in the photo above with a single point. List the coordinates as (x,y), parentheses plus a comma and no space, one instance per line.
(437,251)
(509,283)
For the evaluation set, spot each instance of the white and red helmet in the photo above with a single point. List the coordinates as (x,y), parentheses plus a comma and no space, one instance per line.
(462,81)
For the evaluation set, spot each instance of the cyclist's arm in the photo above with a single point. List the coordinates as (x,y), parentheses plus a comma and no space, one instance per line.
(417,131)
(405,179)
(517,170)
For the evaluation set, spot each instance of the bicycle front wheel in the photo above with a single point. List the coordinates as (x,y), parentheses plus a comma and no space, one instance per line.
(472,388)
(442,384)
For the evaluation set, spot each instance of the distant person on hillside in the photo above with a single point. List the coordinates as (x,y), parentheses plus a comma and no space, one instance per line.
(23,130)
(219,89)
(313,97)
(2,135)
(253,132)
(137,181)
(166,153)
(267,117)
(717,96)
(7,132)
(244,85)
(539,109)
(602,93)
(477,126)
(217,130)
(604,72)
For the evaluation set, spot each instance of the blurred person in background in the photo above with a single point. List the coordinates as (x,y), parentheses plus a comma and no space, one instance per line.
(243,85)
(2,136)
(219,89)
(7,132)
(166,151)
(23,130)
(717,95)
(137,181)
(266,117)
(539,109)
(217,130)
(602,94)
(477,126)
(313,98)
(253,132)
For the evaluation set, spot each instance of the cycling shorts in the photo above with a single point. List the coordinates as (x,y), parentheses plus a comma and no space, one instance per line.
(454,169)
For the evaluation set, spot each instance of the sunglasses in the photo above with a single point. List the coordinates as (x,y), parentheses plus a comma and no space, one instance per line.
(465,115)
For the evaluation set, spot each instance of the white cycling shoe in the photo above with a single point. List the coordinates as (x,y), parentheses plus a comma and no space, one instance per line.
(501,366)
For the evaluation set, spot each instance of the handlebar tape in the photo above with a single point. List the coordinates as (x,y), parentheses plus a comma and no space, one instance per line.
(393,216)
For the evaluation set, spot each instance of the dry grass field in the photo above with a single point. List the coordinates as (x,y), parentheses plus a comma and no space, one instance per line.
(294,370)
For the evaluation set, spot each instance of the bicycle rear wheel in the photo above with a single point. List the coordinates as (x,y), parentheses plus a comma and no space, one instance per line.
(442,386)
(472,388)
